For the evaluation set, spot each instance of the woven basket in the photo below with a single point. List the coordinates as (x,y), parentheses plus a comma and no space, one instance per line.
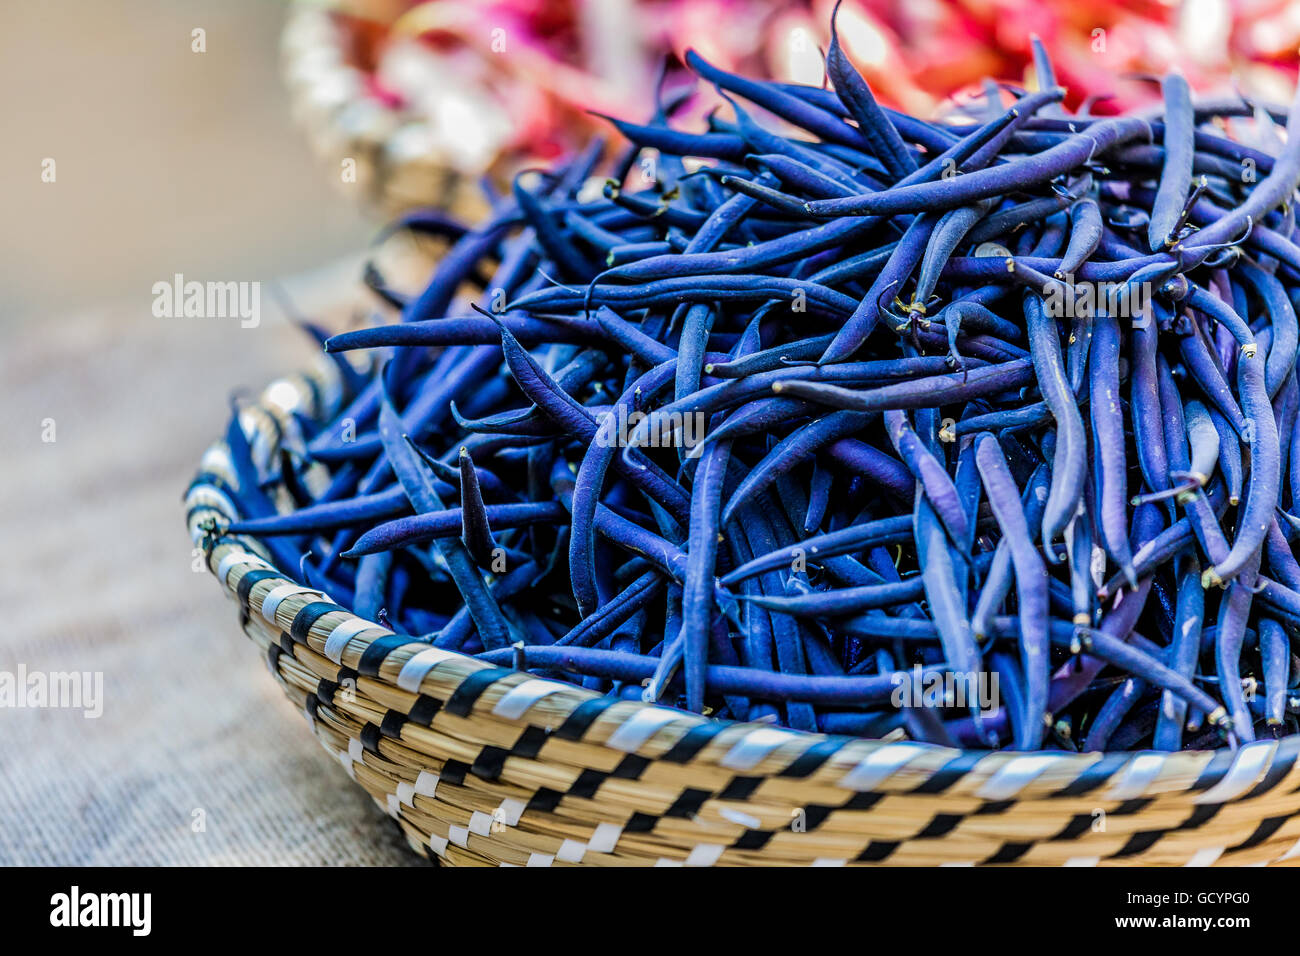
(394,167)
(487,765)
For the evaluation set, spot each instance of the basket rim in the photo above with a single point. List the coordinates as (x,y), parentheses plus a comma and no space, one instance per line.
(1209,776)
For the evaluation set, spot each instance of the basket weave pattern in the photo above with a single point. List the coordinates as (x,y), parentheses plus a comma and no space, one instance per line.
(484,765)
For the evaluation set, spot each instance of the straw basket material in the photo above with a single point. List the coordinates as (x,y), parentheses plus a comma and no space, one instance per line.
(486,765)
(390,163)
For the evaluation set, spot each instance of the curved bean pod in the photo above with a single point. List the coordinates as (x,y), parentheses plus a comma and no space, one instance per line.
(1031,585)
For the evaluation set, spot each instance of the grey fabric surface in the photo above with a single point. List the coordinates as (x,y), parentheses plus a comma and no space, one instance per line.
(95,575)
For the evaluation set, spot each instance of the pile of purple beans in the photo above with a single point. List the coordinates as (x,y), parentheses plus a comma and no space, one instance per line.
(829,414)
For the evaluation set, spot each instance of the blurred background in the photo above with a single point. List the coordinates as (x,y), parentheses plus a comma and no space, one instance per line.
(166,160)
(230,163)
(171,160)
